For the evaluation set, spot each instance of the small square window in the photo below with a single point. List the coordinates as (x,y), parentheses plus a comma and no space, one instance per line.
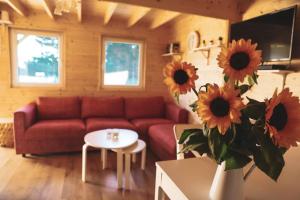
(122,63)
(36,58)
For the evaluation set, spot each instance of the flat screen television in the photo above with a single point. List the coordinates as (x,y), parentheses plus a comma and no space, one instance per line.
(272,32)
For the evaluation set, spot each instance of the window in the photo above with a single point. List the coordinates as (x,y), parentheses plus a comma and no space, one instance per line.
(122,63)
(36,58)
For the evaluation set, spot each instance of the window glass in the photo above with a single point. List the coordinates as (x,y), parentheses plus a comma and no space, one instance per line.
(122,65)
(37,58)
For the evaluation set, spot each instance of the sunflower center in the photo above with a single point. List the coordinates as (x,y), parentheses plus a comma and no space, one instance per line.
(239,60)
(219,107)
(180,77)
(279,117)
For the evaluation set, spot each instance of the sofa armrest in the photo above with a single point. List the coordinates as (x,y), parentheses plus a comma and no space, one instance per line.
(24,118)
(176,114)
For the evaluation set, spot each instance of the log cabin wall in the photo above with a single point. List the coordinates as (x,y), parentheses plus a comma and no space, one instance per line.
(82,59)
(269,81)
(208,70)
(82,54)
(211,28)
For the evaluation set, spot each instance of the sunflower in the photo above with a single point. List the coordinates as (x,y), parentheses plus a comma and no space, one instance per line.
(220,107)
(282,118)
(180,77)
(239,60)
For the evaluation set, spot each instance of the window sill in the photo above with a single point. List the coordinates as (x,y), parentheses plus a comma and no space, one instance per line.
(122,88)
(38,86)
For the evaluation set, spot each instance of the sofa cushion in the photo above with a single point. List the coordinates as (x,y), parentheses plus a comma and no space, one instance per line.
(94,124)
(56,129)
(102,107)
(176,113)
(144,107)
(143,125)
(162,141)
(58,108)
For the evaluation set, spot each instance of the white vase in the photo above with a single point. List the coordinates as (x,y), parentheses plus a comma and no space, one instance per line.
(227,185)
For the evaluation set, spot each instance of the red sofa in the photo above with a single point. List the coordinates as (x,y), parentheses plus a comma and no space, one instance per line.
(59,124)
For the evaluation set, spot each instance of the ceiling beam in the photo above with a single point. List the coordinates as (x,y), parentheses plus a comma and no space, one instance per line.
(109,12)
(163,17)
(210,8)
(49,7)
(16,6)
(138,14)
(79,10)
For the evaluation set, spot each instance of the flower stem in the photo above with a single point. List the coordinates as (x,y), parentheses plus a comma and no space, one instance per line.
(195,91)
(249,172)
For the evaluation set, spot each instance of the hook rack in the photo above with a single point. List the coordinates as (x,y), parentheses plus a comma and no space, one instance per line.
(206,51)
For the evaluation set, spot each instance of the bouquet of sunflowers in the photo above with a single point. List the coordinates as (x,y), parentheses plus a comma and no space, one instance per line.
(236,129)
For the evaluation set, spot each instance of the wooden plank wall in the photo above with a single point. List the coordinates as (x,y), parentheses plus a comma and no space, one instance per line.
(82,51)
(268,82)
(209,29)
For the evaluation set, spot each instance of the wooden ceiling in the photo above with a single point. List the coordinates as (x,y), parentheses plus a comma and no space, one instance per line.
(154,13)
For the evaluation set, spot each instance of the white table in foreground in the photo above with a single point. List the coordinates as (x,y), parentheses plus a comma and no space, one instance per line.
(191,179)
(99,139)
(184,179)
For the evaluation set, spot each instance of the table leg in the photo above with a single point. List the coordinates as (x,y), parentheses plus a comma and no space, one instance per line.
(84,150)
(159,193)
(104,158)
(127,171)
(119,167)
(134,158)
(143,164)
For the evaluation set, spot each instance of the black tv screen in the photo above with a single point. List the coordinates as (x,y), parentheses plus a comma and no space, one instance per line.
(272,32)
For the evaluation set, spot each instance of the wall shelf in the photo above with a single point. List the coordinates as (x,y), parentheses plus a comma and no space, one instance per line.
(284,73)
(276,71)
(171,54)
(174,56)
(206,48)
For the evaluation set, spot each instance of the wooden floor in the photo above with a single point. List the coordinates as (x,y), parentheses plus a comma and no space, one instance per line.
(59,177)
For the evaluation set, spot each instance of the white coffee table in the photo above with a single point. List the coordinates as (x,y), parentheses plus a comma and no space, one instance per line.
(99,139)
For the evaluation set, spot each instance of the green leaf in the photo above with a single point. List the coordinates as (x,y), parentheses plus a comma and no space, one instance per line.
(267,156)
(244,88)
(176,95)
(197,138)
(283,150)
(255,77)
(194,139)
(255,109)
(194,106)
(236,160)
(226,79)
(187,133)
(188,148)
(217,145)
(250,80)
(206,130)
(271,165)
(252,101)
(202,149)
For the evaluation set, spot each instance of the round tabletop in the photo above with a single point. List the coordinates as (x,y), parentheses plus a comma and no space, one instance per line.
(103,138)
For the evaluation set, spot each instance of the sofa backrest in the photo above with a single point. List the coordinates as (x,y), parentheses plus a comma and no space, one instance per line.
(102,107)
(58,108)
(144,107)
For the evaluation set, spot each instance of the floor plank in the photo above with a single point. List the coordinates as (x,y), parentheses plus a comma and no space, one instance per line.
(58,176)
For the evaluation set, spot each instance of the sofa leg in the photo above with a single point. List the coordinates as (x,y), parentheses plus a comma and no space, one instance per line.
(24,155)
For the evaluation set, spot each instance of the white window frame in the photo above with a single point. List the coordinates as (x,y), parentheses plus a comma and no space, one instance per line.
(142,54)
(14,60)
